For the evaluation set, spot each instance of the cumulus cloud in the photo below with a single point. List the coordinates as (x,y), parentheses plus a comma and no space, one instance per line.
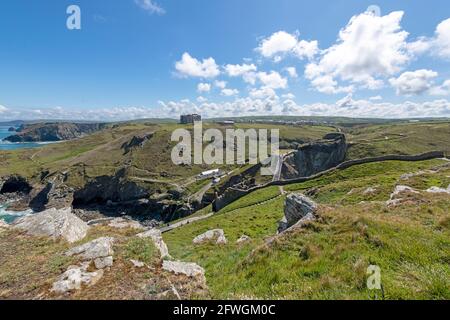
(203,87)
(237,70)
(271,105)
(220,84)
(201,99)
(229,92)
(3,109)
(413,82)
(272,80)
(442,90)
(281,43)
(442,40)
(288,96)
(151,6)
(191,67)
(368,47)
(292,72)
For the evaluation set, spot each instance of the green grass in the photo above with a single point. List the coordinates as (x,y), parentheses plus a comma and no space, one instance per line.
(254,198)
(329,258)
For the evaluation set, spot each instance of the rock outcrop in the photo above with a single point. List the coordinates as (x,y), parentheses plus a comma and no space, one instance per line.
(439,190)
(312,158)
(14,184)
(54,223)
(75,277)
(401,194)
(109,189)
(136,142)
(216,235)
(99,250)
(156,236)
(243,239)
(189,269)
(297,209)
(52,132)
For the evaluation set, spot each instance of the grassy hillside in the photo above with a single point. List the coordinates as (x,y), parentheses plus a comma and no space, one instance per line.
(329,258)
(401,138)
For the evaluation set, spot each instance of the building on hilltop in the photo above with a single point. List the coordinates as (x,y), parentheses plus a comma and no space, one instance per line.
(190,118)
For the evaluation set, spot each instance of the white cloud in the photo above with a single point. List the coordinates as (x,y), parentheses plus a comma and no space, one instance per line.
(150,6)
(288,96)
(376,98)
(413,82)
(189,66)
(442,41)
(369,47)
(3,109)
(262,93)
(292,72)
(306,49)
(230,92)
(442,90)
(250,77)
(348,107)
(236,70)
(272,80)
(281,43)
(220,84)
(201,99)
(203,87)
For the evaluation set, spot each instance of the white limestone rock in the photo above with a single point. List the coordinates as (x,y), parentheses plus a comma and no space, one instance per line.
(156,236)
(398,193)
(137,264)
(297,207)
(54,223)
(216,235)
(102,263)
(189,269)
(439,190)
(244,238)
(74,278)
(98,248)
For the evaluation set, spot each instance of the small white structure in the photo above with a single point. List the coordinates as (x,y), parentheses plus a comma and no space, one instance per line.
(209,174)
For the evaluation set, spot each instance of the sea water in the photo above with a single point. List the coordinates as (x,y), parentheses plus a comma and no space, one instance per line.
(11,216)
(6,145)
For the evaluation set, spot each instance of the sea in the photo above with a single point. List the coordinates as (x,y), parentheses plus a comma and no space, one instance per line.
(11,216)
(6,145)
(5,215)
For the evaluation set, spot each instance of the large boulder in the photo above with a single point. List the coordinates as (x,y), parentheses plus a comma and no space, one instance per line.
(216,235)
(54,223)
(312,158)
(297,208)
(156,236)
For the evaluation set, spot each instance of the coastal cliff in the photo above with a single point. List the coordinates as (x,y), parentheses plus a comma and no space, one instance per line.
(53,131)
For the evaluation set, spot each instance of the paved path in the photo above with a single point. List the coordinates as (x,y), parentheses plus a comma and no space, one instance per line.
(185,222)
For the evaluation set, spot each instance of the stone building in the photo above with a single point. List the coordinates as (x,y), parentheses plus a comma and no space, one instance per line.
(190,118)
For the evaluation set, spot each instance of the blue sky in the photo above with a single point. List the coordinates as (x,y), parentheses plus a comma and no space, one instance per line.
(126,61)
